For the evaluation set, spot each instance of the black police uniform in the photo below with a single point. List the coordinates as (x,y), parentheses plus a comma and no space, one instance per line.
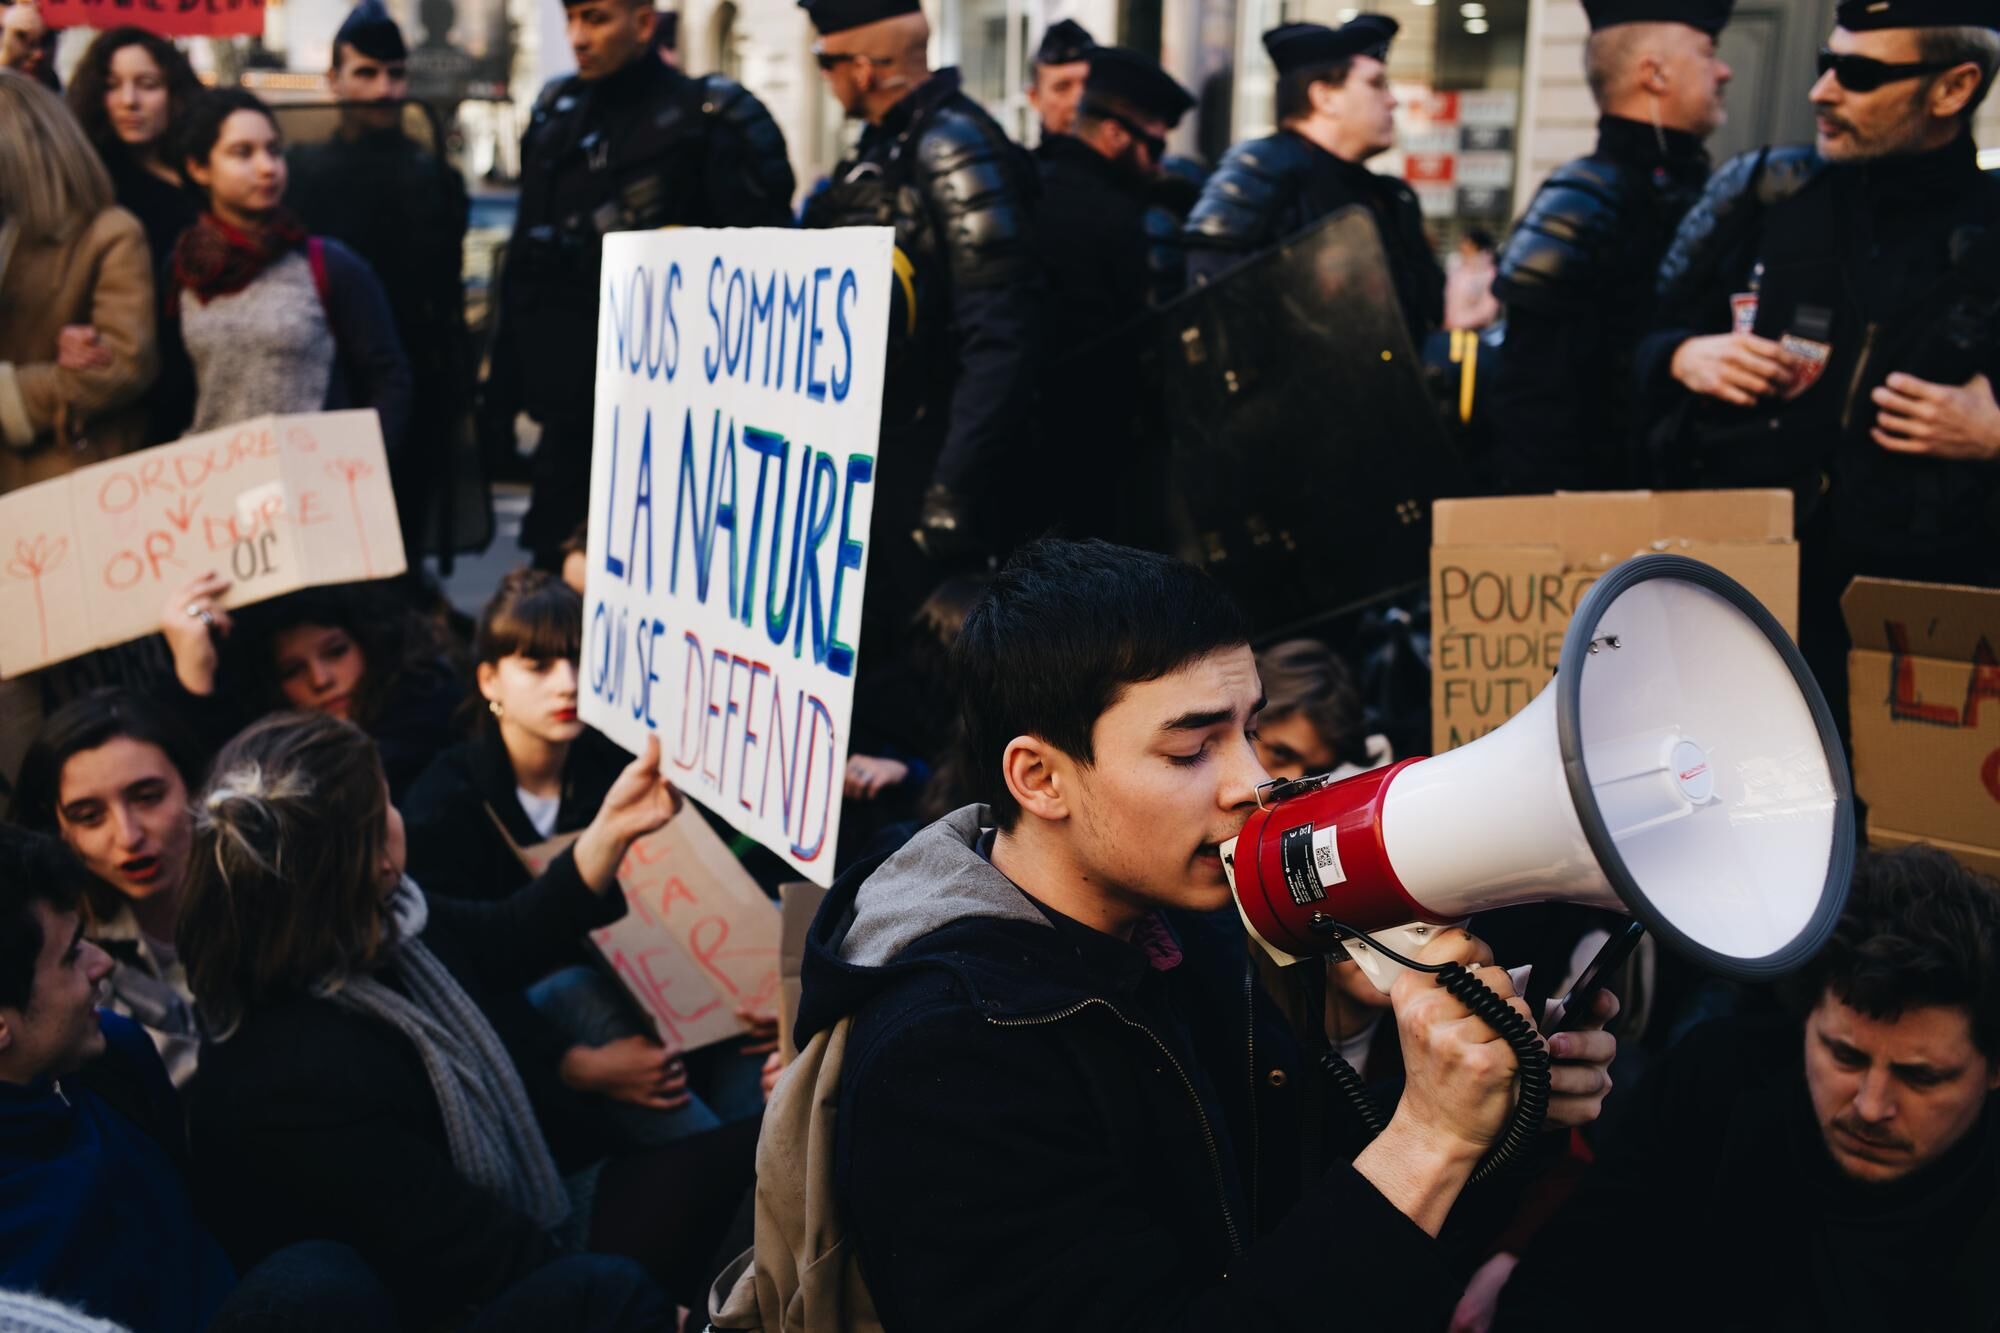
(403,209)
(1100,425)
(958,193)
(1855,260)
(1577,277)
(641,148)
(1269,189)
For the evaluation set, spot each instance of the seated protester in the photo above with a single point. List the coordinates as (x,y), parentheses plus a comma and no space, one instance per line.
(274,320)
(1837,1168)
(534,771)
(93,1208)
(111,775)
(357,1090)
(1313,721)
(1063,1102)
(351,651)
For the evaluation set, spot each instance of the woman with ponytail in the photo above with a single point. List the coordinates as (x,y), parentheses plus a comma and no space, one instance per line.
(363,1087)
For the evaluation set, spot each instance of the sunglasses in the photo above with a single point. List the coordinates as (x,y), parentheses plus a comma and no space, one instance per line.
(1153,143)
(1859,74)
(830,60)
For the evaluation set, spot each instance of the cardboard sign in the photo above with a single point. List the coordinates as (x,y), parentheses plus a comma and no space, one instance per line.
(1924,704)
(1506,575)
(739,401)
(168,18)
(700,939)
(274,504)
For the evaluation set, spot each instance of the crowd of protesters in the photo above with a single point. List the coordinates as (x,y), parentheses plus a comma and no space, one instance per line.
(293,1037)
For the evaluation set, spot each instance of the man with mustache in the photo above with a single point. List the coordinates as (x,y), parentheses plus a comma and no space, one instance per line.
(1828,319)
(1835,1171)
(1577,274)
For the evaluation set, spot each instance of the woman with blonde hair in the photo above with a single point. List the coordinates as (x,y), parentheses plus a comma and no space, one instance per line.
(68,256)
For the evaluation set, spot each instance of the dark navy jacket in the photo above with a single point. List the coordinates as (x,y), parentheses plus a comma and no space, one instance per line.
(1041,1126)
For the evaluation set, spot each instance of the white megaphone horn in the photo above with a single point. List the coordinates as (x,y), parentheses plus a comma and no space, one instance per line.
(1681,767)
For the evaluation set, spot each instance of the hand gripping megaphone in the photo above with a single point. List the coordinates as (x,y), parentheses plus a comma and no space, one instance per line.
(1682,767)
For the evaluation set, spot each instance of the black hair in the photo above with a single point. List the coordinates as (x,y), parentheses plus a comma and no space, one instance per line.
(1919,929)
(533,613)
(1481,238)
(84,723)
(205,120)
(93,76)
(1294,95)
(34,868)
(395,642)
(1064,628)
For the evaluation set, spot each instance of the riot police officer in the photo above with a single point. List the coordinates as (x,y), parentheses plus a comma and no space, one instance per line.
(1100,398)
(1832,318)
(1577,275)
(1335,111)
(400,206)
(1055,84)
(936,167)
(626,144)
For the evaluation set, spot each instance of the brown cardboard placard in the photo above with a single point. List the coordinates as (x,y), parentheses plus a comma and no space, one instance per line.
(273,504)
(700,939)
(1924,708)
(1508,573)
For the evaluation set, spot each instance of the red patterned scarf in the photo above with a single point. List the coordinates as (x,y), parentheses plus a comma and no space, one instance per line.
(213,259)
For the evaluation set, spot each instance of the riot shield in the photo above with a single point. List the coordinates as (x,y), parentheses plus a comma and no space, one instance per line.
(1305,449)
(442,468)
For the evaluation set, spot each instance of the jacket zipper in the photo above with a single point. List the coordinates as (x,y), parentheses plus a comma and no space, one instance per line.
(1250,1043)
(1207,1131)
(1860,371)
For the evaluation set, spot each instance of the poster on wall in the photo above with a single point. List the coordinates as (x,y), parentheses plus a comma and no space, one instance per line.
(739,404)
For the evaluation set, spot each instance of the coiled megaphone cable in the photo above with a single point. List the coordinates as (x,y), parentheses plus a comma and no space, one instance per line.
(1531,1055)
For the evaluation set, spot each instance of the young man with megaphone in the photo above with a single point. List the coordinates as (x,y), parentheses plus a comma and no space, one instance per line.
(1052,1094)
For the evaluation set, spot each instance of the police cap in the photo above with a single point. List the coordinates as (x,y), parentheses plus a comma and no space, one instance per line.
(372,33)
(831,16)
(1868,15)
(1298,45)
(1709,16)
(1065,43)
(1128,77)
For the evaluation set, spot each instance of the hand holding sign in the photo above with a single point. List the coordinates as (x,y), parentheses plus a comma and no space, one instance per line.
(191,621)
(639,802)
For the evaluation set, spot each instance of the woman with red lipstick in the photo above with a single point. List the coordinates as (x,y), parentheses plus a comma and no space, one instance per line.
(274,320)
(110,775)
(535,770)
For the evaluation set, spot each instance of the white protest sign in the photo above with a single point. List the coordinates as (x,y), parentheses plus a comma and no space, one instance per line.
(739,403)
(274,504)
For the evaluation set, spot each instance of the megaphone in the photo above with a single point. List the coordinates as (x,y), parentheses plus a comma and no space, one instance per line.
(1681,767)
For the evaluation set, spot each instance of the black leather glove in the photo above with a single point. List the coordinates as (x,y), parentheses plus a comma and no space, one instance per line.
(944,527)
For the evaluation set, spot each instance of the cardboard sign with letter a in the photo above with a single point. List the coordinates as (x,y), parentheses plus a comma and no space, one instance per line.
(1924,703)
(1506,575)
(273,504)
(700,939)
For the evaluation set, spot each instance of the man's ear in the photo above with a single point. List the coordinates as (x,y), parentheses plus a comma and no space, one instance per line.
(1953,90)
(1036,774)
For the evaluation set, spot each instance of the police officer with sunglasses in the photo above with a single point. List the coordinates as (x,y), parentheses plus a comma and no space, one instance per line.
(1832,318)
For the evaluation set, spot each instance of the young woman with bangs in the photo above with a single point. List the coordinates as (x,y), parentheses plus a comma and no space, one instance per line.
(531,772)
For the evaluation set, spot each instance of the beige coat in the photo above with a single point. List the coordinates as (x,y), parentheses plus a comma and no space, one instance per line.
(53,420)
